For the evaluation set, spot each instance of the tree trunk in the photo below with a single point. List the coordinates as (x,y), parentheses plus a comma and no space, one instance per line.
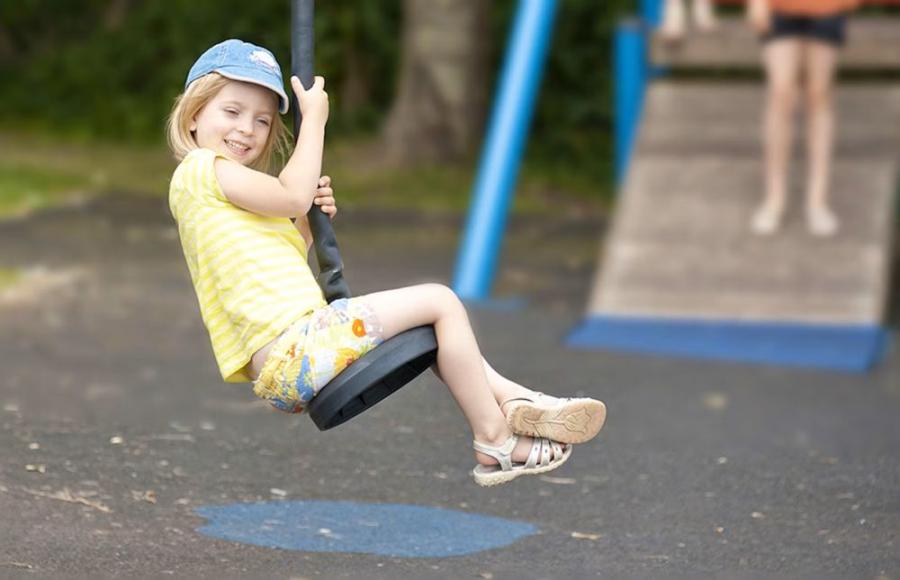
(354,90)
(439,108)
(7,49)
(115,14)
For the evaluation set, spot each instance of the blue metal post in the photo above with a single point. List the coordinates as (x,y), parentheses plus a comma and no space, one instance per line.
(501,157)
(630,66)
(651,12)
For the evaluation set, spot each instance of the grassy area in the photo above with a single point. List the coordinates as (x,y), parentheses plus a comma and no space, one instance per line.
(363,180)
(88,166)
(8,277)
(40,170)
(25,189)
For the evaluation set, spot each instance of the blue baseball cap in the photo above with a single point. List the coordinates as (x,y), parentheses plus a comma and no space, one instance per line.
(241,61)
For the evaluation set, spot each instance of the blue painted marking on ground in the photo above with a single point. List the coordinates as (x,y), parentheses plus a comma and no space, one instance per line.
(851,348)
(343,526)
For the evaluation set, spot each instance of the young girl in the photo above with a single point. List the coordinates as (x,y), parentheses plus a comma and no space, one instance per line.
(798,34)
(267,318)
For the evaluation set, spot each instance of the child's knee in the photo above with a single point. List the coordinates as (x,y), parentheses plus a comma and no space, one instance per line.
(783,95)
(445,298)
(818,98)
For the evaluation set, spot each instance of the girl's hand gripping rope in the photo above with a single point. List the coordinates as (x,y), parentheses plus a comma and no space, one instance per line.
(325,197)
(313,103)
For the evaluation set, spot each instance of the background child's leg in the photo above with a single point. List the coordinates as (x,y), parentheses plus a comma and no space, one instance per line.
(821,60)
(703,14)
(782,59)
(673,20)
(782,62)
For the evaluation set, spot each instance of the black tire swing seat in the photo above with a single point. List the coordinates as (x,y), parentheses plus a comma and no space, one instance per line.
(396,361)
(374,376)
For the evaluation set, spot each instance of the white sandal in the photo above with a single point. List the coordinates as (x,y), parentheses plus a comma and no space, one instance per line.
(545,456)
(566,421)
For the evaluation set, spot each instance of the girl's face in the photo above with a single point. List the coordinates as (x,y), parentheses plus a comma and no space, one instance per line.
(237,121)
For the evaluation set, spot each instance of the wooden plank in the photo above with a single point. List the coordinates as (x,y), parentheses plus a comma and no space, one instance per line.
(873,43)
(680,245)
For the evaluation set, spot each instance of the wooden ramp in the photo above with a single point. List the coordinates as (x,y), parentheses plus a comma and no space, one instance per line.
(873,44)
(680,272)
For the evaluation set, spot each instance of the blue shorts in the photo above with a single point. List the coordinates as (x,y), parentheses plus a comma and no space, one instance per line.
(829,29)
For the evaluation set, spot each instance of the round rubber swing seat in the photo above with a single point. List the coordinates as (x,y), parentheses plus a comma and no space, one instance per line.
(374,376)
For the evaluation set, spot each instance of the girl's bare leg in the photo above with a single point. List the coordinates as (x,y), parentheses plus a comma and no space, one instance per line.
(703,14)
(503,388)
(673,20)
(821,60)
(459,361)
(782,62)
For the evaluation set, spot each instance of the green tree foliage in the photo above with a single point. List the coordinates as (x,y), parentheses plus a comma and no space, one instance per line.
(68,71)
(111,68)
(572,130)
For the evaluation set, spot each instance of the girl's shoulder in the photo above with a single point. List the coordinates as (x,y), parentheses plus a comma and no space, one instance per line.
(197,156)
(197,163)
(196,173)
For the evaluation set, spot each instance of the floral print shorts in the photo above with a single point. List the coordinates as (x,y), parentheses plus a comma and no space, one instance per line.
(314,350)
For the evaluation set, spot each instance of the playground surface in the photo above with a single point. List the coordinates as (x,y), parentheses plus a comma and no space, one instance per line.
(116,428)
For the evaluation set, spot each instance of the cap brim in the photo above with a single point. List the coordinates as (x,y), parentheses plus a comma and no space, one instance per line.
(279,90)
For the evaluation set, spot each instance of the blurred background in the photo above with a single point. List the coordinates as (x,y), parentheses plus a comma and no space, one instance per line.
(87,86)
(110,398)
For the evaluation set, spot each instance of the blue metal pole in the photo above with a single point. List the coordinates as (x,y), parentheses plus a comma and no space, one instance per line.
(501,157)
(651,12)
(630,66)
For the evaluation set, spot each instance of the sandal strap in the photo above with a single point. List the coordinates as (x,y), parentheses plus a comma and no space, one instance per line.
(557,449)
(502,454)
(532,399)
(543,452)
(546,452)
(507,401)
(537,456)
(534,454)
(560,399)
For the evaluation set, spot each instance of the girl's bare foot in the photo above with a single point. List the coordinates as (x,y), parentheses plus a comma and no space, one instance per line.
(673,25)
(704,17)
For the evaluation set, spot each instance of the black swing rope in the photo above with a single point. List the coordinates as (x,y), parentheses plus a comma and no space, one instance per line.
(398,360)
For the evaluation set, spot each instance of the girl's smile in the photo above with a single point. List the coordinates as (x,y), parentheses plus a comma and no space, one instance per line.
(237,121)
(238,148)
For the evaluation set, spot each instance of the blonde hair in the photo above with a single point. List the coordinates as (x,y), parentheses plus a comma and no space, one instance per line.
(188,104)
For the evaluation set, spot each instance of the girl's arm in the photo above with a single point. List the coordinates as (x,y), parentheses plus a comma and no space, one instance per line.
(302,225)
(291,194)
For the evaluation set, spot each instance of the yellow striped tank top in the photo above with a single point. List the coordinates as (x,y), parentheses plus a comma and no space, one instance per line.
(250,271)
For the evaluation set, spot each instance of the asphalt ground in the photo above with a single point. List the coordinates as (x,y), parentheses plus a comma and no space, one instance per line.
(115,426)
